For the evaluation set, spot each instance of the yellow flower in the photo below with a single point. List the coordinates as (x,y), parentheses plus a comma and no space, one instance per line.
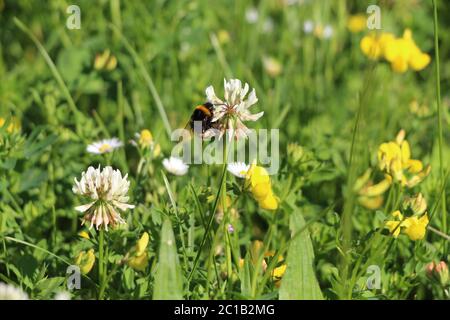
(142,244)
(373,45)
(418,204)
(145,138)
(394,158)
(139,263)
(156,150)
(277,272)
(84,234)
(258,181)
(105,60)
(415,228)
(13,125)
(269,203)
(356,23)
(371,195)
(223,36)
(139,259)
(394,226)
(403,53)
(85,261)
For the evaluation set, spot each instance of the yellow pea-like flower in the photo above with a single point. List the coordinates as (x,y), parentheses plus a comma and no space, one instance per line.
(139,263)
(394,226)
(139,259)
(261,190)
(258,181)
(419,60)
(85,261)
(105,60)
(142,243)
(418,204)
(269,203)
(394,158)
(371,203)
(415,228)
(356,23)
(374,46)
(84,234)
(377,189)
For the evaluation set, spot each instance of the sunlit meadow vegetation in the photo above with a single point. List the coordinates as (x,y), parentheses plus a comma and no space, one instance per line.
(357,210)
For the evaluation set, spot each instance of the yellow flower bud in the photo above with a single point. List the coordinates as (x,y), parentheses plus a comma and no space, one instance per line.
(418,204)
(142,243)
(84,234)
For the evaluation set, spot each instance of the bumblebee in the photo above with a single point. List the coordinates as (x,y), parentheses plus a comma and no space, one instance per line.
(202,113)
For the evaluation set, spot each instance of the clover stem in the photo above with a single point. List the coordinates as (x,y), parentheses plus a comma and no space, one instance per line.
(225,210)
(101,264)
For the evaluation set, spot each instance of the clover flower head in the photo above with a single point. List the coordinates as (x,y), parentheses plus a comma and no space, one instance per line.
(230,113)
(107,191)
(104,146)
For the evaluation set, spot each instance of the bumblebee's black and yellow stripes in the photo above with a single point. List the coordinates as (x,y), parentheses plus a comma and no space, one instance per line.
(202,113)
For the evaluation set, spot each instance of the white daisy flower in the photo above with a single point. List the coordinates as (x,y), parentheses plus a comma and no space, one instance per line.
(107,190)
(175,166)
(234,110)
(238,169)
(308,26)
(9,292)
(328,32)
(104,146)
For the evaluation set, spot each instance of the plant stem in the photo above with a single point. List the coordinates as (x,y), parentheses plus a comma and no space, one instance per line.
(101,265)
(225,209)
(439,113)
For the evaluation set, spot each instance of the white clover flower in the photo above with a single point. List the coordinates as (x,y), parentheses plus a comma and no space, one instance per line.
(175,166)
(251,15)
(234,110)
(308,26)
(107,190)
(104,146)
(328,32)
(238,169)
(9,292)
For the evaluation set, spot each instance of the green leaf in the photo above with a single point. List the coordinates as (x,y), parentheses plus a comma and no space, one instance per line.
(168,278)
(300,282)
